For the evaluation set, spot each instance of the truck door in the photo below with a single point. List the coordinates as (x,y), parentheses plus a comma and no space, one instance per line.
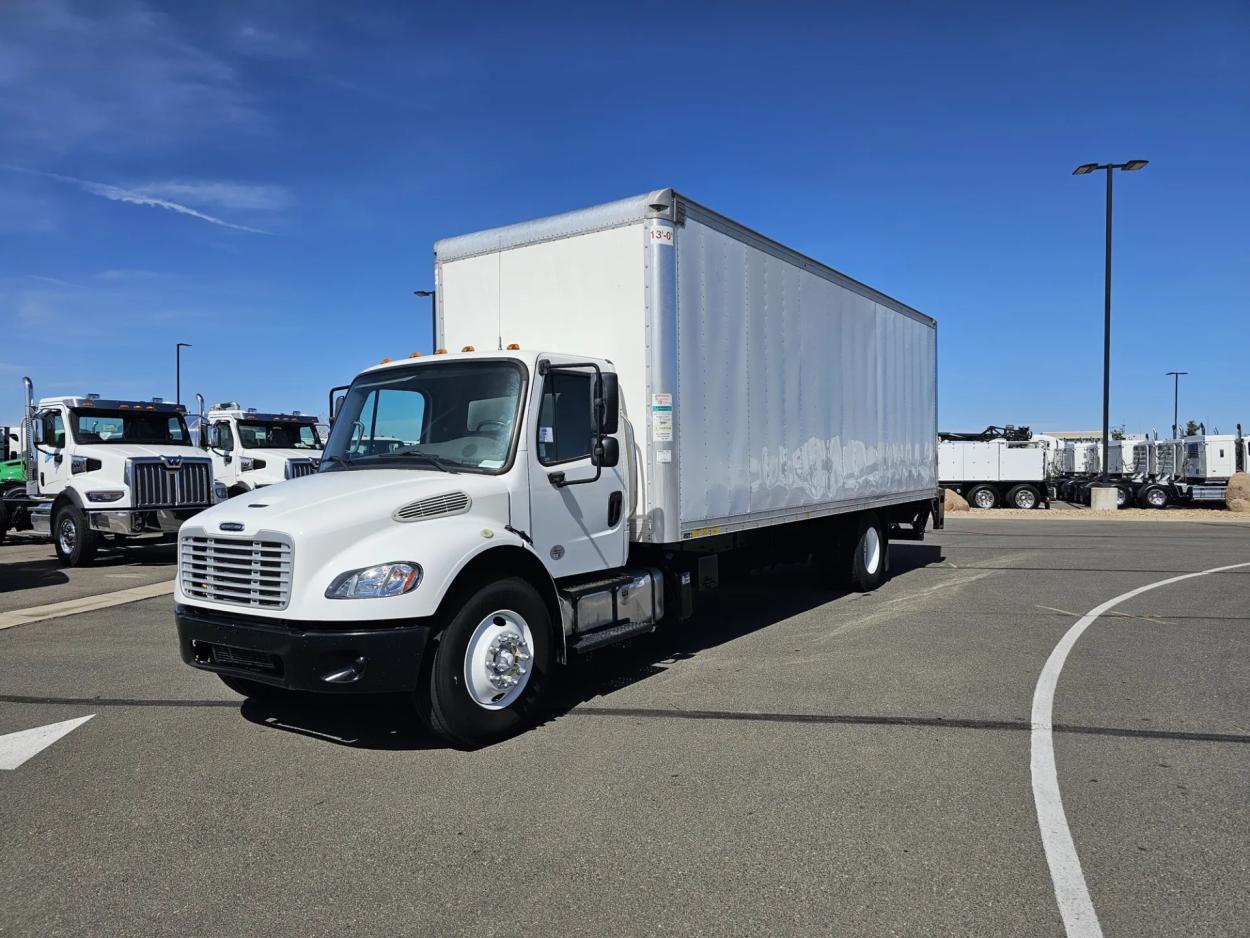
(52,458)
(580,526)
(226,466)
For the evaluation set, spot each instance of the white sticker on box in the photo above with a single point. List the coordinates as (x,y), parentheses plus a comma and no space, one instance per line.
(663,455)
(662,418)
(546,435)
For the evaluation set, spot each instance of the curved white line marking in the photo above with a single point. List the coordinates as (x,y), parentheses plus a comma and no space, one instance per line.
(1079,918)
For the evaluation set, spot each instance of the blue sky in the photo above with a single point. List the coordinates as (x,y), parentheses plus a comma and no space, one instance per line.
(266,180)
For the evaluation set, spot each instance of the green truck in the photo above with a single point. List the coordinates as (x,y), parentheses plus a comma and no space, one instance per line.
(12,475)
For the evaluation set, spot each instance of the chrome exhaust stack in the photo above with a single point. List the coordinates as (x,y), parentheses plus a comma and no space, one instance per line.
(201,428)
(29,460)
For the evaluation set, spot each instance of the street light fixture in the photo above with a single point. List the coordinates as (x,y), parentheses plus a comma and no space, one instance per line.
(178,370)
(1084,170)
(1176,396)
(433,316)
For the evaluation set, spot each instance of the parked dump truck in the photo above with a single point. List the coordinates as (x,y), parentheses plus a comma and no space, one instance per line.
(647,395)
(996,466)
(251,450)
(105,469)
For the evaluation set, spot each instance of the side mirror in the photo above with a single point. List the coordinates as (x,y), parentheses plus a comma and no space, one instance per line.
(37,430)
(607,453)
(608,404)
(338,406)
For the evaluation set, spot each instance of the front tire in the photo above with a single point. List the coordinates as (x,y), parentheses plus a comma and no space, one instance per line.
(75,542)
(490,666)
(1154,496)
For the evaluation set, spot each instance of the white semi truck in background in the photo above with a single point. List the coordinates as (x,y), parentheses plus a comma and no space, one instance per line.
(97,469)
(646,393)
(251,450)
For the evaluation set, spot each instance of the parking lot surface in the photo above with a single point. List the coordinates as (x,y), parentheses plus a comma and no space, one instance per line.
(794,761)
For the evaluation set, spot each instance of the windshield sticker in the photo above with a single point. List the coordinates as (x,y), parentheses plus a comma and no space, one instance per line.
(546,435)
(490,464)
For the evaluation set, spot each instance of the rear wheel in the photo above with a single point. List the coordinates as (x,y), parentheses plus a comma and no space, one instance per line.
(75,542)
(983,496)
(1122,497)
(865,556)
(1023,496)
(1154,496)
(490,667)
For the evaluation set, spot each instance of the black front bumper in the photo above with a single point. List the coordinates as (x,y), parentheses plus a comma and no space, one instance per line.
(320,657)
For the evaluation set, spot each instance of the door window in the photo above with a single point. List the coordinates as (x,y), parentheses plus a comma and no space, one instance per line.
(565,424)
(225,439)
(53,430)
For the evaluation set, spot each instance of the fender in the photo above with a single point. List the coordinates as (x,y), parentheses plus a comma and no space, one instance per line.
(495,563)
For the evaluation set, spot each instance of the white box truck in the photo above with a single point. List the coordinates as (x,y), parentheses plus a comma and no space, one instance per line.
(641,390)
(251,450)
(106,469)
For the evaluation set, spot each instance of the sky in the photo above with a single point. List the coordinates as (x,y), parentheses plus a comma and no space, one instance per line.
(266,180)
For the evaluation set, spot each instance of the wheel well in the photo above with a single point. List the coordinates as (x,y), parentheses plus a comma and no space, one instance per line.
(499,563)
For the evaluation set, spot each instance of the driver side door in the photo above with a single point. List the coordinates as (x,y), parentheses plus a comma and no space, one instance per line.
(580,526)
(53,462)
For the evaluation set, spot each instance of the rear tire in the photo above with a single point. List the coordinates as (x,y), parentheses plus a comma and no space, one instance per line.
(75,542)
(1024,496)
(1123,497)
(869,557)
(1154,496)
(490,666)
(983,496)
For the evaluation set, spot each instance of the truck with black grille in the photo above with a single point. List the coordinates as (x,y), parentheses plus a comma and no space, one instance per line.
(105,471)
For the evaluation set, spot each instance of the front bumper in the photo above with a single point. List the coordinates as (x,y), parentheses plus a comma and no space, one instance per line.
(164,520)
(305,656)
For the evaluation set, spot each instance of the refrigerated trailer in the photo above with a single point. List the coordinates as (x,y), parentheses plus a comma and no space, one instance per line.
(643,396)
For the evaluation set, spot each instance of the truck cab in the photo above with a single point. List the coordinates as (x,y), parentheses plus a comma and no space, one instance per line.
(251,450)
(97,469)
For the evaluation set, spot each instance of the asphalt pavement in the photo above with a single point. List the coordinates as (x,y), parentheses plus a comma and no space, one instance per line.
(794,761)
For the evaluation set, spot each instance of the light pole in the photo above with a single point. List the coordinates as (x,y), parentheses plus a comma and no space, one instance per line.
(178,370)
(1176,397)
(1082,170)
(433,316)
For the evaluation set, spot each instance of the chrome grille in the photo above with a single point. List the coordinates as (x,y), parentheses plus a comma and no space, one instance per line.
(153,484)
(453,503)
(300,467)
(234,570)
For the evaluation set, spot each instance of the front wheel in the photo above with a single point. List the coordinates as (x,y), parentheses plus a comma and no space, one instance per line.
(490,666)
(75,542)
(1154,496)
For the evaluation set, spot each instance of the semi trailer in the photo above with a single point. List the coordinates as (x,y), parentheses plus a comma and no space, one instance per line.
(97,470)
(251,450)
(996,466)
(646,396)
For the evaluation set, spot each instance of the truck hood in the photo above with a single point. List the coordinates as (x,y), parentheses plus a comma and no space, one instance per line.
(348,504)
(126,450)
(280,456)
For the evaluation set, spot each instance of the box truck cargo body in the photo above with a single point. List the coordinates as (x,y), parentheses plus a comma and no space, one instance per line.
(639,397)
(762,386)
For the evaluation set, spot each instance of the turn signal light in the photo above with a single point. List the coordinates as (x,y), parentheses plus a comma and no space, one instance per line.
(468,348)
(386,361)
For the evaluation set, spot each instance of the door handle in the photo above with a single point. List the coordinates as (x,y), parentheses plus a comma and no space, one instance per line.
(615,501)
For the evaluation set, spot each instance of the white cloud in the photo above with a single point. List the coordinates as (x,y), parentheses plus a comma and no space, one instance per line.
(137,197)
(220,194)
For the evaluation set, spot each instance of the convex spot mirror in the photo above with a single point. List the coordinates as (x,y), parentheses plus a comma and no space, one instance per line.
(607,453)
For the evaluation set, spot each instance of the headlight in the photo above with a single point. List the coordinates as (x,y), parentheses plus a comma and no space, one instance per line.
(104,496)
(386,579)
(248,463)
(220,492)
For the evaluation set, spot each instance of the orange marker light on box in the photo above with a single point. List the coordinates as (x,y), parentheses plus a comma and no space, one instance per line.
(386,361)
(414,355)
(514,346)
(440,351)
(468,348)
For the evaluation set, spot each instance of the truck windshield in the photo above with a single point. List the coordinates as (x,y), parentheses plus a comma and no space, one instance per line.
(259,434)
(125,426)
(452,416)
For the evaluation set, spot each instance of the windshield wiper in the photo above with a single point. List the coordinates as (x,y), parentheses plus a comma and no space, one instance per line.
(436,461)
(333,460)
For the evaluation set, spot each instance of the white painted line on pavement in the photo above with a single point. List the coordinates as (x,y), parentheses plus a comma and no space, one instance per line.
(16,748)
(72,607)
(1079,918)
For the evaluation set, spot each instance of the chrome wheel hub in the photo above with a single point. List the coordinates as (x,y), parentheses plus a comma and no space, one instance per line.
(498,661)
(67,536)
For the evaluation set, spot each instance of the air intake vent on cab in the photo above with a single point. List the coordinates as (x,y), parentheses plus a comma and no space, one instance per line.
(453,503)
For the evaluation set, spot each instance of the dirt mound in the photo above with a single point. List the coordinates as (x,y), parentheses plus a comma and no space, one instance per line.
(1238,495)
(954,501)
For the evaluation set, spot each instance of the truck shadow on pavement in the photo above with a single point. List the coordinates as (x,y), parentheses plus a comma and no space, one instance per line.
(770,596)
(34,574)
